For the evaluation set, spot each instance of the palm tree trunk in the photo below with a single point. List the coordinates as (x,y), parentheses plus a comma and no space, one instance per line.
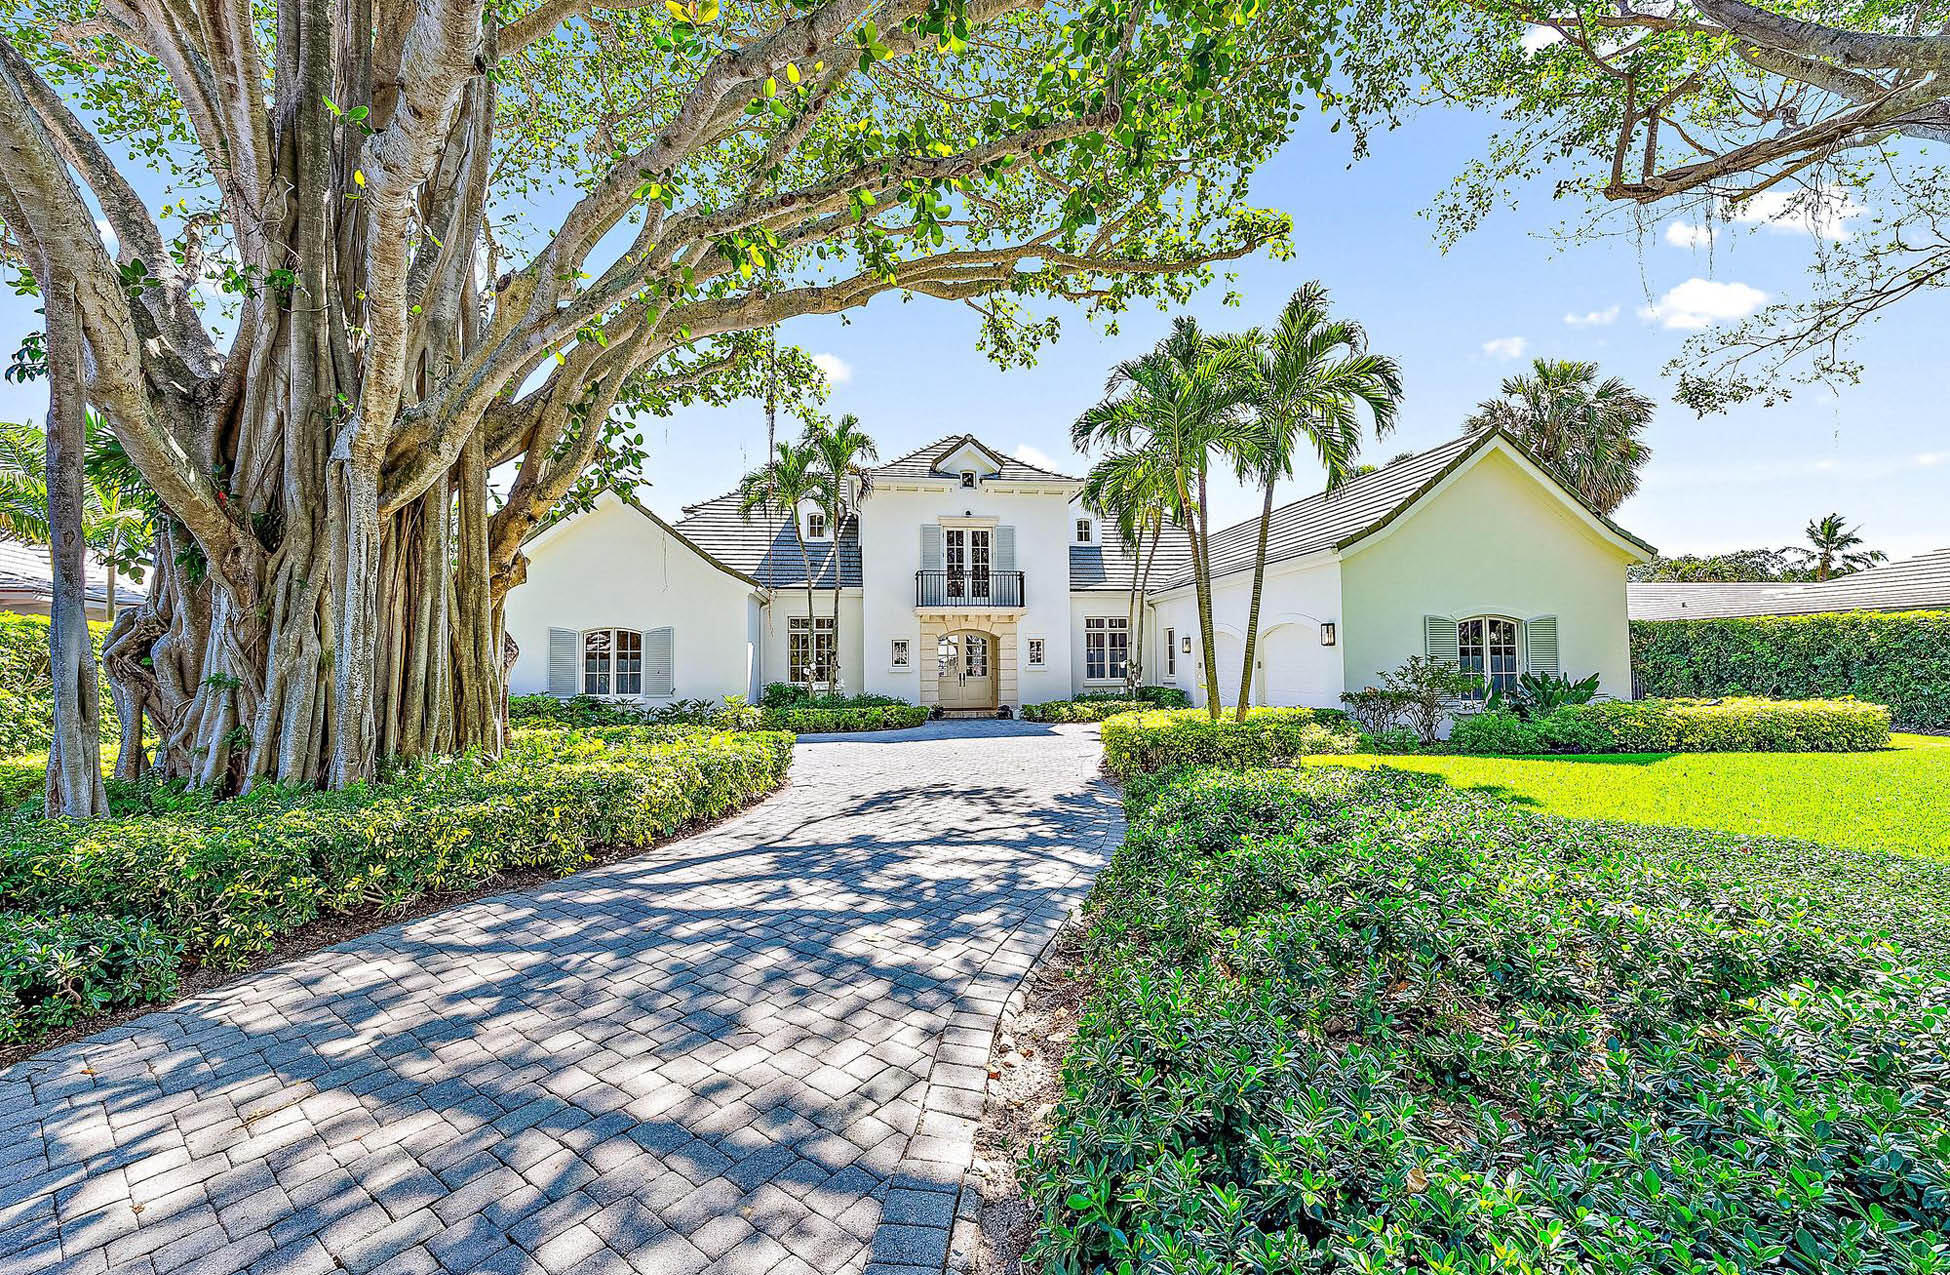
(1144,587)
(1252,610)
(1134,619)
(833,556)
(1195,528)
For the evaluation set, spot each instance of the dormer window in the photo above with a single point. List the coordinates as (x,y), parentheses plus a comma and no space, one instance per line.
(968,478)
(1083,531)
(815,524)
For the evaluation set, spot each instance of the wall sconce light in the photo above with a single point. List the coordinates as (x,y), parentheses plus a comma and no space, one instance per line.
(1327,633)
(1187,643)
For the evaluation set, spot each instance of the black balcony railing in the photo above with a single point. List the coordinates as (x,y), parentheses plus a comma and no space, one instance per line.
(949,589)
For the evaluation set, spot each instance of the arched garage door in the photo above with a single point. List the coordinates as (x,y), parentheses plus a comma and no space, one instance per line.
(1296,669)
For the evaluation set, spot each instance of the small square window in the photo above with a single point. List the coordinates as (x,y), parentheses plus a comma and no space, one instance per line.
(1035,652)
(898,656)
(816,525)
(1083,531)
(968,478)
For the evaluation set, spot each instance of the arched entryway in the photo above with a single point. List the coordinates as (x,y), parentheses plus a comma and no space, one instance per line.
(966,667)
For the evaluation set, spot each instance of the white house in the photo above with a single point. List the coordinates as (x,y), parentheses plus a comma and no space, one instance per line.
(974,581)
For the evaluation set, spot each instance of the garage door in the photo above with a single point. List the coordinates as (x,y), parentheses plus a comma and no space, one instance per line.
(1292,670)
(1230,651)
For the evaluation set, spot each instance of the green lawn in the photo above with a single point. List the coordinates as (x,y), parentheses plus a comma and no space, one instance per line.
(1898,799)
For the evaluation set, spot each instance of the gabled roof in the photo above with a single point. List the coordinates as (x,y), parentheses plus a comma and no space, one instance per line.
(1921,583)
(1362,507)
(766,549)
(924,462)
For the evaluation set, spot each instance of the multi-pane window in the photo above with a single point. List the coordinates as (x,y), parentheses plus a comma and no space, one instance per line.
(1106,641)
(1083,531)
(612,662)
(1035,652)
(1171,652)
(1486,645)
(816,525)
(811,643)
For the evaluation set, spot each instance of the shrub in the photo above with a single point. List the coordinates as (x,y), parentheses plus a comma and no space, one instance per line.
(1155,696)
(1901,659)
(1081,710)
(793,695)
(58,970)
(27,686)
(827,713)
(858,717)
(1165,740)
(226,879)
(1351,1022)
(1536,694)
(1418,695)
(1680,726)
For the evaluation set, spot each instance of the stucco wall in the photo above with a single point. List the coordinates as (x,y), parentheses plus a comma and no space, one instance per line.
(776,621)
(1292,666)
(613,566)
(1493,541)
(890,554)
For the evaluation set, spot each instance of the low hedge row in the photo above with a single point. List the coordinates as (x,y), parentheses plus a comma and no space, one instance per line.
(225,880)
(1081,710)
(1356,1021)
(1901,659)
(826,715)
(821,721)
(59,970)
(1680,726)
(1165,740)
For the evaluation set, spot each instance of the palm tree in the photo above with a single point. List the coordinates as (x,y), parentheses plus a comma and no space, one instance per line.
(1835,552)
(1133,491)
(116,520)
(1180,404)
(788,480)
(1306,381)
(1585,429)
(842,452)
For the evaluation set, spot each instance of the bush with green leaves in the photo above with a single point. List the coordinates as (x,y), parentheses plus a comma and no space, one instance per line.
(62,969)
(793,695)
(1171,739)
(1418,695)
(1679,726)
(1536,694)
(1081,710)
(823,715)
(1155,696)
(857,717)
(27,686)
(1351,1021)
(227,879)
(1901,659)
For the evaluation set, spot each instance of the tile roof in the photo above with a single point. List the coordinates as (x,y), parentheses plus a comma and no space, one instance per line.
(1921,583)
(24,569)
(767,547)
(1107,565)
(920,463)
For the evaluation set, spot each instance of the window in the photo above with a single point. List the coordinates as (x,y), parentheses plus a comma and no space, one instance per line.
(816,524)
(1035,652)
(1171,652)
(968,478)
(1486,645)
(1083,531)
(612,662)
(1105,641)
(810,644)
(898,656)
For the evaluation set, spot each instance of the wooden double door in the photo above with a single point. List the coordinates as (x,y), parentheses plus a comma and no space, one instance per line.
(965,670)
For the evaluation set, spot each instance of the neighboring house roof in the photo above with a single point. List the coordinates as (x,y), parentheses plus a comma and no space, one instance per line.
(925,462)
(1331,521)
(766,549)
(25,572)
(1921,583)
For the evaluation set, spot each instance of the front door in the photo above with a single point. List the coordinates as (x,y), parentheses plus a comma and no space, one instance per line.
(967,562)
(965,670)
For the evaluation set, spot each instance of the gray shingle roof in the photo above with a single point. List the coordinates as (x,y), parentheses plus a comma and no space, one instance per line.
(920,463)
(767,547)
(1921,583)
(1108,565)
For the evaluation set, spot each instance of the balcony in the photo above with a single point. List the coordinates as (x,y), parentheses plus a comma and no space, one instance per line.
(968,591)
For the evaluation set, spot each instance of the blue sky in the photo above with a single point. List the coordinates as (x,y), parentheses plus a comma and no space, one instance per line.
(1879,452)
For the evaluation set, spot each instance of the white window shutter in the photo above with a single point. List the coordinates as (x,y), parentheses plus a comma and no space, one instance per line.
(660,662)
(1540,645)
(1439,638)
(931,546)
(564,661)
(1005,548)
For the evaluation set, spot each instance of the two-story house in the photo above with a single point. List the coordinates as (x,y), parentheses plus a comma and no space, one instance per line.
(974,581)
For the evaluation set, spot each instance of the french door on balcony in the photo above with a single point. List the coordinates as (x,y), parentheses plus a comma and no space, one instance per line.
(968,555)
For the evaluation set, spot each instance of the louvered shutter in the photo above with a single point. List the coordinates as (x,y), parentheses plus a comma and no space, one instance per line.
(564,661)
(931,546)
(659,662)
(1439,638)
(1005,548)
(1540,645)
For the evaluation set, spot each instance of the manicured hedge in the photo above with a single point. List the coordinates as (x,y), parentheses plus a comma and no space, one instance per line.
(226,879)
(1081,710)
(1901,659)
(820,721)
(826,714)
(27,687)
(1164,740)
(1680,726)
(59,970)
(1358,1022)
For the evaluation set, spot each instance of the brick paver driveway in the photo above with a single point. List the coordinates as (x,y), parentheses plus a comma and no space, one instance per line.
(756,1049)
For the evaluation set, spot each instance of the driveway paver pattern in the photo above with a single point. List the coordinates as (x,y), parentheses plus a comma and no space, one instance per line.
(758,1049)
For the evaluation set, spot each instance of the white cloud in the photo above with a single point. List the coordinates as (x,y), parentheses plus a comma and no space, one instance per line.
(1537,39)
(1929,459)
(1593,318)
(837,369)
(1823,212)
(1699,302)
(1506,347)
(1030,454)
